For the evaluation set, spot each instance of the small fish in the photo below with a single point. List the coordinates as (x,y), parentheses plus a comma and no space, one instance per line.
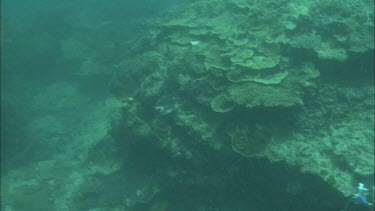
(363,199)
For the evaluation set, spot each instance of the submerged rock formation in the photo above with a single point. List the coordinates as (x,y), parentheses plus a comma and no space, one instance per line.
(261,79)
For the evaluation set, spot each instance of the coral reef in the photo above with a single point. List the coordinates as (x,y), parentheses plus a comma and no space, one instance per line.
(214,105)
(221,65)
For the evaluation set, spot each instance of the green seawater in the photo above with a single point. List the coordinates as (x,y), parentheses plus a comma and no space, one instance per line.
(187,105)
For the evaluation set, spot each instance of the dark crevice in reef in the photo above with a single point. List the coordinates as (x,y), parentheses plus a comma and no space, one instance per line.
(217,182)
(249,184)
(357,69)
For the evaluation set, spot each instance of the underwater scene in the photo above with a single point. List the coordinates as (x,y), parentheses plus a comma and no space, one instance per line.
(187,105)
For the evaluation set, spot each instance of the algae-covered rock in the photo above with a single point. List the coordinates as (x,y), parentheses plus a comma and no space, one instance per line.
(248,141)
(310,70)
(215,61)
(262,62)
(260,77)
(304,74)
(307,41)
(327,52)
(272,79)
(221,104)
(253,95)
(179,38)
(242,58)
